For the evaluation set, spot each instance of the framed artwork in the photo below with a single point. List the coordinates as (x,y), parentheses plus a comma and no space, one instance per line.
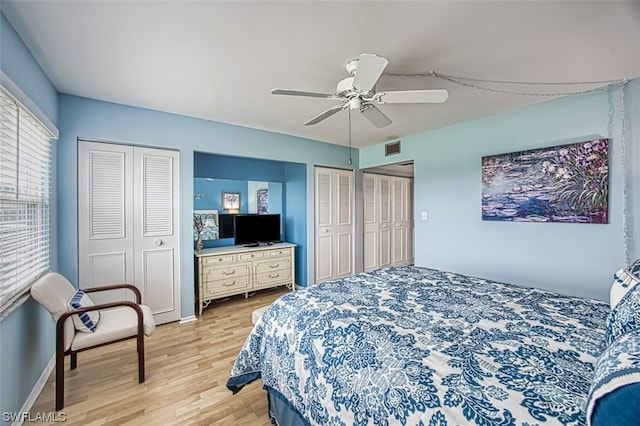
(566,183)
(262,196)
(205,223)
(231,200)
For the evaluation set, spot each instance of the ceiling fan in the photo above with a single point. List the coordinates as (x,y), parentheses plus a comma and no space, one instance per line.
(358,92)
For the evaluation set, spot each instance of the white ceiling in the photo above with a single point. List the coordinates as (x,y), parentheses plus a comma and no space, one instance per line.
(219,60)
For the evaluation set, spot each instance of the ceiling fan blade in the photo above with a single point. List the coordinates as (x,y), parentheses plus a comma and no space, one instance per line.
(299,93)
(369,70)
(325,114)
(413,97)
(375,116)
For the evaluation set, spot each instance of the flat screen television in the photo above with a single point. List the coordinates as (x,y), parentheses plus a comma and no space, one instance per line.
(226,225)
(256,229)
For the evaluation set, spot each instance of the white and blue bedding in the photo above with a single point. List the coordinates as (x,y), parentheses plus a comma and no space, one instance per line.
(416,346)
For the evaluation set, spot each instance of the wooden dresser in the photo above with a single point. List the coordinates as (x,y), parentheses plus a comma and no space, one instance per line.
(226,271)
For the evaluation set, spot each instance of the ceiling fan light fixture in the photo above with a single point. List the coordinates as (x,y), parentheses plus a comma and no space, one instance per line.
(358,92)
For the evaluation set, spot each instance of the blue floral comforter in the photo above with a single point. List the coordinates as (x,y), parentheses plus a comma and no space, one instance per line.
(417,346)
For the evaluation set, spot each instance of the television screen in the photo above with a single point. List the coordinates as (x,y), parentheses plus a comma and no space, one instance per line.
(257,228)
(225,229)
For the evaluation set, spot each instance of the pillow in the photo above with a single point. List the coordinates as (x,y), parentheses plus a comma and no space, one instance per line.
(623,281)
(85,321)
(615,387)
(625,317)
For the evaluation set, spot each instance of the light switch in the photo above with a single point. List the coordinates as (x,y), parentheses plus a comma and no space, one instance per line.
(424,215)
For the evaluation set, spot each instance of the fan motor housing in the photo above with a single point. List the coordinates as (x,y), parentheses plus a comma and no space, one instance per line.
(345,87)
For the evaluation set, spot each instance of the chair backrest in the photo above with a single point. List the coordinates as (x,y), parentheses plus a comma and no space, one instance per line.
(53,292)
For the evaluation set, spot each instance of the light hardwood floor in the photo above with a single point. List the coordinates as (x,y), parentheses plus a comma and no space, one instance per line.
(187,366)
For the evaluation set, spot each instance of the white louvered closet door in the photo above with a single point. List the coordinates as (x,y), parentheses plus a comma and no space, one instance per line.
(388,221)
(333,223)
(128,224)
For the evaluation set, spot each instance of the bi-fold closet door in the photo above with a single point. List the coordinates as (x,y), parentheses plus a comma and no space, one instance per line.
(128,222)
(333,223)
(387,221)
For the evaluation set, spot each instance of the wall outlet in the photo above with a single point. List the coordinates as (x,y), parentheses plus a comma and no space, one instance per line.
(424,215)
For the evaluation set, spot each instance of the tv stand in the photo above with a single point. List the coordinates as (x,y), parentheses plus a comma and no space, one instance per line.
(227,271)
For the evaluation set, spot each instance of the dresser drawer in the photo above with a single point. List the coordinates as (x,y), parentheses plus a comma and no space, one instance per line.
(230,285)
(222,258)
(273,264)
(273,271)
(218,272)
(254,255)
(266,278)
(279,252)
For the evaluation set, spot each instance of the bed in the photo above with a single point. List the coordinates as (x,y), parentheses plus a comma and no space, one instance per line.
(417,346)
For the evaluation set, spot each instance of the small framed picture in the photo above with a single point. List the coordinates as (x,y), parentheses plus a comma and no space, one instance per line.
(206,224)
(230,200)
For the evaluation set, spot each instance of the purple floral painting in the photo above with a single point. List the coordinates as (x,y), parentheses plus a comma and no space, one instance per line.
(567,183)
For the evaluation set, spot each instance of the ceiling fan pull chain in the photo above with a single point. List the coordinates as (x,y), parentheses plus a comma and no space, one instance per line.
(350,137)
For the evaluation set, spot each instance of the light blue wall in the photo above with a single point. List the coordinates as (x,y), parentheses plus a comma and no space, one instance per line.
(103,121)
(577,259)
(27,334)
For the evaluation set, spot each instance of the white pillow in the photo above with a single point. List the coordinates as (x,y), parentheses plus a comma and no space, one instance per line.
(623,281)
(85,321)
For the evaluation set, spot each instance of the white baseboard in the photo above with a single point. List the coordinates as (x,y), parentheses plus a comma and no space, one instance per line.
(37,388)
(190,318)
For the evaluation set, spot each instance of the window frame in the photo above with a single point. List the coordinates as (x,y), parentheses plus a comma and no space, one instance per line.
(26,154)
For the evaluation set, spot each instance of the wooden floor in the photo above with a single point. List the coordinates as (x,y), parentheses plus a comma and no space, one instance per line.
(187,366)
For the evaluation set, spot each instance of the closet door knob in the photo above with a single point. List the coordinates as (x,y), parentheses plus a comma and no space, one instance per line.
(157,242)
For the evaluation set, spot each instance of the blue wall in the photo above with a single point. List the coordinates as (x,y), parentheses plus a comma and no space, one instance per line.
(577,259)
(103,121)
(27,335)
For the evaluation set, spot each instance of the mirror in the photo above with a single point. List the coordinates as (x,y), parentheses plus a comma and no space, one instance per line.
(226,197)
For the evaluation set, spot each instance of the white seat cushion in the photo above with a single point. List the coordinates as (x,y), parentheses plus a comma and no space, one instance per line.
(255,315)
(116,323)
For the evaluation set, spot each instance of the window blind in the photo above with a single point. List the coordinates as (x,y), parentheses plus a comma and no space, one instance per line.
(25,180)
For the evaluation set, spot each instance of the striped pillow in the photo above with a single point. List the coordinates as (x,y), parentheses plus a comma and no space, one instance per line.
(86,321)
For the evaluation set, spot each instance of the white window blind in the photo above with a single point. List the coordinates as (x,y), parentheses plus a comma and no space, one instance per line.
(25,178)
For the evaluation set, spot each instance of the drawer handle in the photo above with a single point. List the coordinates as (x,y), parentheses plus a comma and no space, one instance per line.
(229,284)
(276,275)
(272,266)
(229,273)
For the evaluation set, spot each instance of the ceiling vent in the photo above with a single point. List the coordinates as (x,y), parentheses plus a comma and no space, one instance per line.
(392,148)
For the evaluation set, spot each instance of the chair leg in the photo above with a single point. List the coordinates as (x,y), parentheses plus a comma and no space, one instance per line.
(140,358)
(59,380)
(74,360)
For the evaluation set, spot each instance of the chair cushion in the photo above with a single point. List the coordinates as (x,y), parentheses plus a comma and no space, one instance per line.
(116,323)
(53,291)
(85,321)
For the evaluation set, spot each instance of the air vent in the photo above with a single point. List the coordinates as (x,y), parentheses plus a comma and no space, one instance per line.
(392,148)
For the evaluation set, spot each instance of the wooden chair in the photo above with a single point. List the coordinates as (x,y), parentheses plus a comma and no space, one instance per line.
(118,321)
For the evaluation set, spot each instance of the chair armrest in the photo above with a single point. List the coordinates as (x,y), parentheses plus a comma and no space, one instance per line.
(115,287)
(128,303)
